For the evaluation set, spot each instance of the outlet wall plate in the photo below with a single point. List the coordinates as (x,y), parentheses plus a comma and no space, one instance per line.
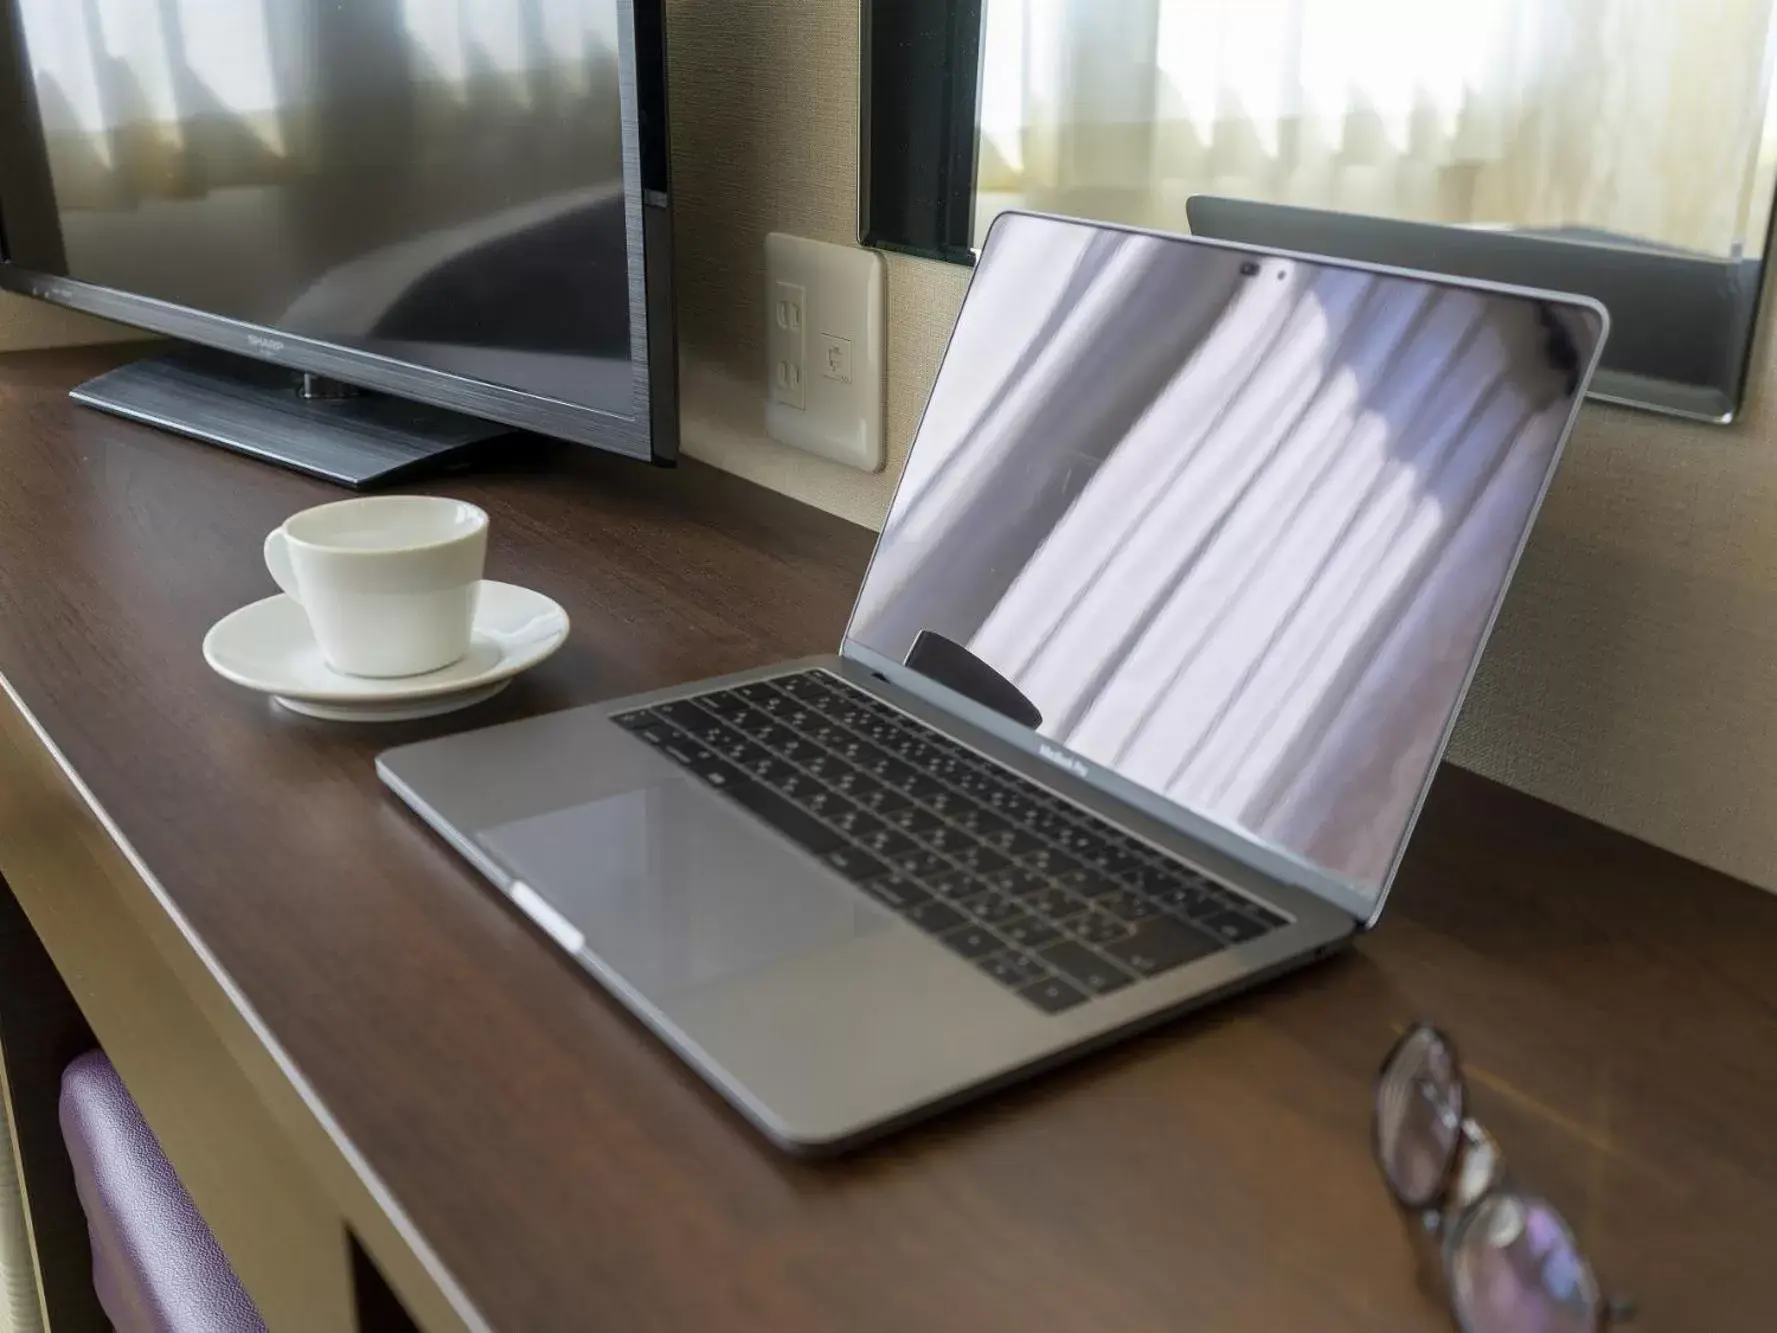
(824,349)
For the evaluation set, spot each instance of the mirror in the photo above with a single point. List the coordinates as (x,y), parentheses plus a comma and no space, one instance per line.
(1628,152)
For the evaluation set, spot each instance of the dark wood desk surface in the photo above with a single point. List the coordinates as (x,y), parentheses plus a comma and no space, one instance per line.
(1618,1006)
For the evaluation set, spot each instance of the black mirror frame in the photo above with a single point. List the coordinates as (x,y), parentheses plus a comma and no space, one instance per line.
(921,83)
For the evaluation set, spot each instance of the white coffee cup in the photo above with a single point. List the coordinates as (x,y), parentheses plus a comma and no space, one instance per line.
(388,582)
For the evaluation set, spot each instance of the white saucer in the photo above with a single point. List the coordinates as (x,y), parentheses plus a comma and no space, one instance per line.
(269,647)
(391,712)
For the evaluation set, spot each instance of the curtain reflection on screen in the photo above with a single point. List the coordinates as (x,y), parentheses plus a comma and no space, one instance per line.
(158,98)
(439,181)
(1235,536)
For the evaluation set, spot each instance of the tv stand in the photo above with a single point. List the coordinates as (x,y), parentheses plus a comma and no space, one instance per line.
(307,422)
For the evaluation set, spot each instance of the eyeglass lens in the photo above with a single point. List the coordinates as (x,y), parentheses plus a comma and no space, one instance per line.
(1418,1117)
(1515,1268)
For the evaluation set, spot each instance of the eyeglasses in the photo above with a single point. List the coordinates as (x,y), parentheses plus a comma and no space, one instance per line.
(1511,1263)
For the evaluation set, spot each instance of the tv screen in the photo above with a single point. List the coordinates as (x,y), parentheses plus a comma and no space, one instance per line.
(438,184)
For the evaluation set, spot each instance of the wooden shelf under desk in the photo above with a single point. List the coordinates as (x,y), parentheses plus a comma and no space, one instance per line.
(338,1030)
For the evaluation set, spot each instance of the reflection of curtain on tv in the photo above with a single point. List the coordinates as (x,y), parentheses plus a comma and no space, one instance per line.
(1646,118)
(162,99)
(154,98)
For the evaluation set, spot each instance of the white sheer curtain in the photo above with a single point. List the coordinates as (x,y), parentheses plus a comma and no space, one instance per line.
(1644,118)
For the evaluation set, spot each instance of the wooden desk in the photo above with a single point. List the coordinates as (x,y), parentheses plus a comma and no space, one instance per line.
(336,1028)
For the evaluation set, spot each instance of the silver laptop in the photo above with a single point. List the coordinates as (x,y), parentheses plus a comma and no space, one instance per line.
(1187,572)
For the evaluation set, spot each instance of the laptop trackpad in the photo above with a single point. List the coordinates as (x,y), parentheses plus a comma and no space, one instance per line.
(674,888)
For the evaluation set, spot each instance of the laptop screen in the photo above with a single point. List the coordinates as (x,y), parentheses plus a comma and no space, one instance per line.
(1231,526)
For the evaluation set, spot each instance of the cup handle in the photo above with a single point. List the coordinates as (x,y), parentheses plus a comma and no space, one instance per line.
(277,560)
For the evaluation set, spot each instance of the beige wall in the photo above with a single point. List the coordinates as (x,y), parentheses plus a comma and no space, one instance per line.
(1633,677)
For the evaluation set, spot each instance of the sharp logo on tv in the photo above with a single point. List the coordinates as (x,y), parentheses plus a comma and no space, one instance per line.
(259,342)
(1062,759)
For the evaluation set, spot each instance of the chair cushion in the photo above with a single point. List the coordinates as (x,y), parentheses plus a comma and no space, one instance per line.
(156,1267)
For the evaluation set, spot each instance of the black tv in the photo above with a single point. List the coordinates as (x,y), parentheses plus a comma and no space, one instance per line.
(386,230)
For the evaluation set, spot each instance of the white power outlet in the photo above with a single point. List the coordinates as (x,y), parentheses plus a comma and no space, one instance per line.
(824,312)
(789,344)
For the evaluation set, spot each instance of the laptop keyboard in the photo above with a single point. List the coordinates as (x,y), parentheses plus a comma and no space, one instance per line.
(1040,894)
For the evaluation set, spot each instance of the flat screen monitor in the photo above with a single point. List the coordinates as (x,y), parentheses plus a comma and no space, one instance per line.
(460,202)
